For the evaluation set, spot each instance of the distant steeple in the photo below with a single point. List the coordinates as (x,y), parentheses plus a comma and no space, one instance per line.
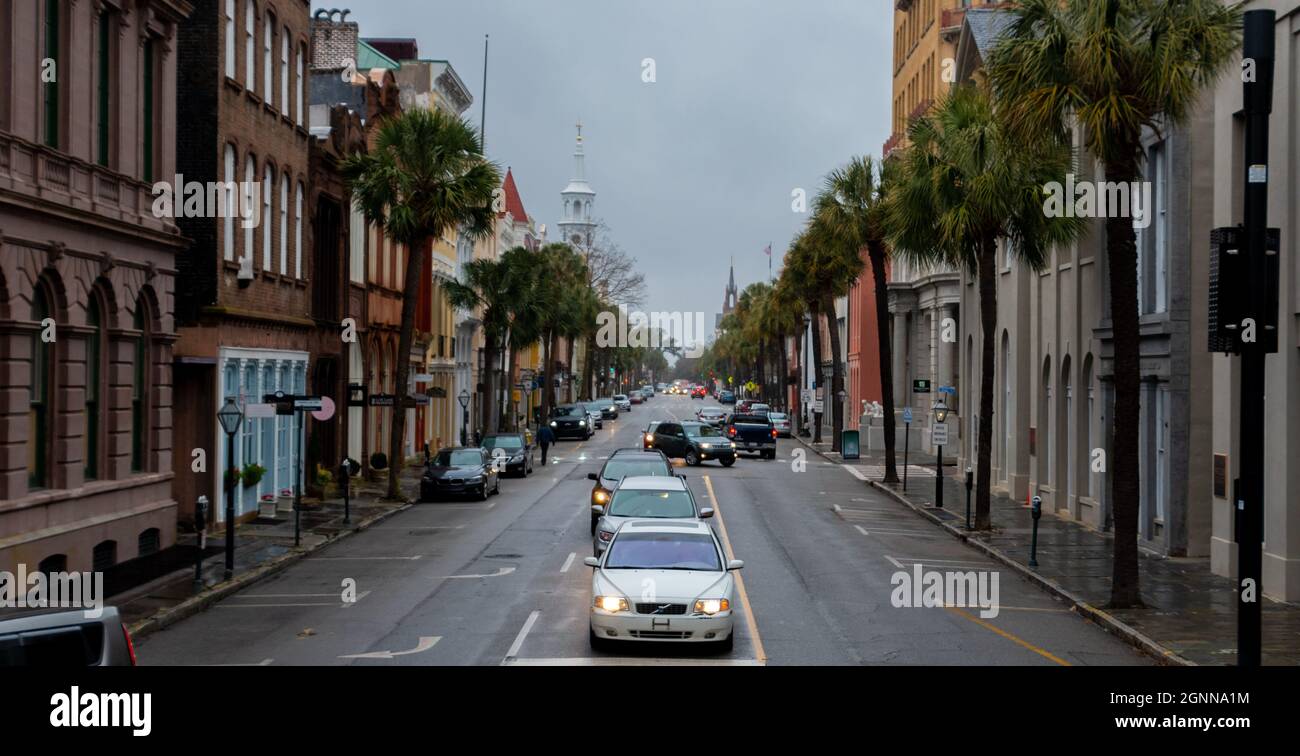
(729,298)
(578,224)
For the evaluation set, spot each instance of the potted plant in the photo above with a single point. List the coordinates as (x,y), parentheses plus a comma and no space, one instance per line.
(252,474)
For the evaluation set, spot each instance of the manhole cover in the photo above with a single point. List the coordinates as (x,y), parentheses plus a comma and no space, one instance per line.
(504,556)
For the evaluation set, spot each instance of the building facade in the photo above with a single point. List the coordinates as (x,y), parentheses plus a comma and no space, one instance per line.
(87,281)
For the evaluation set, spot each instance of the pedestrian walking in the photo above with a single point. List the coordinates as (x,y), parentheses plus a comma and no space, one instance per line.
(546,437)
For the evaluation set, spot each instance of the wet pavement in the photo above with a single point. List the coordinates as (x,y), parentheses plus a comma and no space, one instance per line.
(1189,610)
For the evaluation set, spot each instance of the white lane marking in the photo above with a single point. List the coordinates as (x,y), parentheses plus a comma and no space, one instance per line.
(861,530)
(837,508)
(519,639)
(631,661)
(350,604)
(894,561)
(499,573)
(426,643)
(569,562)
(856,473)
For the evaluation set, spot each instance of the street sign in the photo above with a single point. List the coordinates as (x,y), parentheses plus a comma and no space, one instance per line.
(326,410)
(939,434)
(307,403)
(423,378)
(921,386)
(907,414)
(947,390)
(817,405)
(382,400)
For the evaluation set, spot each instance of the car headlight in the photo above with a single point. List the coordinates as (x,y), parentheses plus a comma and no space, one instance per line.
(518,457)
(582,423)
(733,444)
(706,446)
(475,479)
(649,437)
(600,497)
(711,606)
(605,535)
(611,603)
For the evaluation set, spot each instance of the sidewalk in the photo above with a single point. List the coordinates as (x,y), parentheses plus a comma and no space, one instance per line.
(1190,614)
(261,549)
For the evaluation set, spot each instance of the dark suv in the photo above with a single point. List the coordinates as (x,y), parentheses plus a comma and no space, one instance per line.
(694,442)
(571,421)
(621,464)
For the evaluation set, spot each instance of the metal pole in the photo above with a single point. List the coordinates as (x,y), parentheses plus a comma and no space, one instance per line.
(1036,512)
(938,479)
(907,438)
(297,494)
(970,484)
(230,507)
(1258,46)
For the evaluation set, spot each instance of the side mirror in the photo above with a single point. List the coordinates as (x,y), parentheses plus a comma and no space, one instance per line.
(593,476)
(597,509)
(592,561)
(735,564)
(706,513)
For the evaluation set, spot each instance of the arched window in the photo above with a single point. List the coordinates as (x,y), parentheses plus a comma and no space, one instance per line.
(284,223)
(140,387)
(268,186)
(297,232)
(96,409)
(298,110)
(149,542)
(228,204)
(284,71)
(40,418)
(250,44)
(268,65)
(250,177)
(104,555)
(53,563)
(230,38)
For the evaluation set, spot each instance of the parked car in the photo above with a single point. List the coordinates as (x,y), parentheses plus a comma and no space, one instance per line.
(694,588)
(459,471)
(594,417)
(781,422)
(608,408)
(753,433)
(726,397)
(514,449)
(621,464)
(636,397)
(648,438)
(695,443)
(571,421)
(712,415)
(653,497)
(623,402)
(65,639)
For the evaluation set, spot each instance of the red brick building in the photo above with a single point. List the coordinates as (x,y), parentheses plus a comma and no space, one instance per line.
(863,359)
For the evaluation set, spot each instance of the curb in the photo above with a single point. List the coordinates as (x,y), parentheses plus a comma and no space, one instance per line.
(1089,612)
(195,604)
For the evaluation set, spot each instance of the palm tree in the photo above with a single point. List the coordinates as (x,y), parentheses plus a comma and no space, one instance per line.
(424,176)
(565,304)
(797,272)
(967,182)
(833,268)
(492,286)
(1114,68)
(852,207)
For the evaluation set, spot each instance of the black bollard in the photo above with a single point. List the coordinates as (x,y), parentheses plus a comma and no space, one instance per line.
(1036,513)
(970,484)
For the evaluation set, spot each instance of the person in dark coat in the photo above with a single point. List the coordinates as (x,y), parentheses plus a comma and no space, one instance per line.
(545,437)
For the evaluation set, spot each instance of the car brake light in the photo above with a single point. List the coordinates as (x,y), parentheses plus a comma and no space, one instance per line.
(130,647)
(774,433)
(731,431)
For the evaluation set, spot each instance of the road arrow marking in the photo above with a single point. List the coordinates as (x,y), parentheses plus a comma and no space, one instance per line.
(426,643)
(499,573)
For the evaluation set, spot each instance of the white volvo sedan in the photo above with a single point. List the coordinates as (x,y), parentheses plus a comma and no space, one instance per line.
(663,581)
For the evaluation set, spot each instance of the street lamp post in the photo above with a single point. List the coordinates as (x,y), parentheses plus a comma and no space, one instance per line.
(230,417)
(940,417)
(464,414)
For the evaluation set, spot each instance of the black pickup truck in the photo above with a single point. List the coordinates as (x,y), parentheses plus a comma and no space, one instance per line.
(752,433)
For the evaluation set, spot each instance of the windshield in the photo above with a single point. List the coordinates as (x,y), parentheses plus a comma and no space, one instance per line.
(618,469)
(460,458)
(570,411)
(507,443)
(776,415)
(652,504)
(620,397)
(663,551)
(699,430)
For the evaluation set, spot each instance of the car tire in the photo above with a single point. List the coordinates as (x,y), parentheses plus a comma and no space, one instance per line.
(727,461)
(483,493)
(692,458)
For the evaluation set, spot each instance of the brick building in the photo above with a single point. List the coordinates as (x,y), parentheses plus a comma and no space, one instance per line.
(244,303)
(86,281)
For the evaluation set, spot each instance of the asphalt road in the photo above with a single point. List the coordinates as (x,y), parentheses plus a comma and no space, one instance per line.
(502,581)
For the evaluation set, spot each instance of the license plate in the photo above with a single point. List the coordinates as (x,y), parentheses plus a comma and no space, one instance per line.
(750,444)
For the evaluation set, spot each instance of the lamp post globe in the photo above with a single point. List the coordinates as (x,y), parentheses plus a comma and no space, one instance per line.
(230,416)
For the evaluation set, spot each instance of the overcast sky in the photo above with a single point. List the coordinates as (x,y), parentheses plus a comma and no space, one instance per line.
(753,99)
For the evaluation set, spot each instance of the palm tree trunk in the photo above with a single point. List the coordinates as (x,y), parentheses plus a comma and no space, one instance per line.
(1121,258)
(548,375)
(513,420)
(568,372)
(797,405)
(588,367)
(816,334)
(837,374)
(876,253)
(988,325)
(783,385)
(488,421)
(410,300)
(759,365)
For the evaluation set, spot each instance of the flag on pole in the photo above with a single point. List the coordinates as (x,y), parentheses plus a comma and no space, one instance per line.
(768,250)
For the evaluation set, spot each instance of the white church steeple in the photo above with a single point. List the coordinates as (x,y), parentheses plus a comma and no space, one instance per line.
(578,224)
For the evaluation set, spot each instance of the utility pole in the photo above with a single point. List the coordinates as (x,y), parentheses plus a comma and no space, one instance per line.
(482,117)
(1258,47)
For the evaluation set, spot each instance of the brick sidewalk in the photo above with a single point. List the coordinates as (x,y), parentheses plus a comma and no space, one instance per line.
(261,549)
(1189,611)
